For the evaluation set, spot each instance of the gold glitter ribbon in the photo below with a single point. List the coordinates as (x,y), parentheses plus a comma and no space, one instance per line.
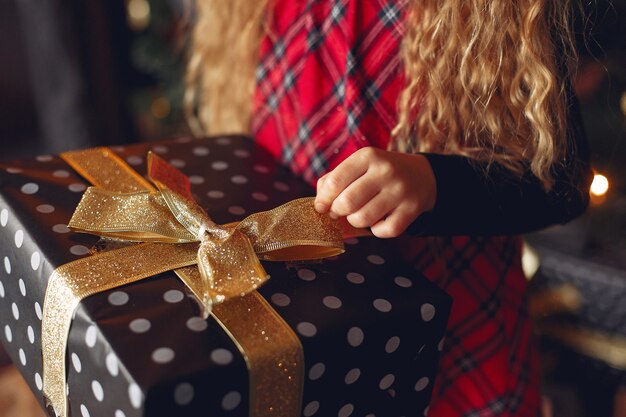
(177,234)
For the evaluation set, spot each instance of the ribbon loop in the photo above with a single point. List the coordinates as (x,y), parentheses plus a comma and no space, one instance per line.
(125,206)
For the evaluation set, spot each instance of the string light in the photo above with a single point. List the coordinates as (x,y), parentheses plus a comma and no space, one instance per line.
(599,185)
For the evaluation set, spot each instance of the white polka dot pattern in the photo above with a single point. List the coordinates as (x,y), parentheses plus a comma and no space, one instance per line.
(311,408)
(19,238)
(118,298)
(219,165)
(317,371)
(79,250)
(332,306)
(90,336)
(183,394)
(140,325)
(441,344)
(38,310)
(281,186)
(30,188)
(306,274)
(163,355)
(239,179)
(135,395)
(160,149)
(78,366)
(61,173)
(44,158)
(196,179)
(352,376)
(221,357)
(134,160)
(98,391)
(421,383)
(35,261)
(38,381)
(262,169)
(197,324)
(60,228)
(382,305)
(241,153)
(427,311)
(403,282)
(231,400)
(45,208)
(375,259)
(178,163)
(260,196)
(112,364)
(237,210)
(306,329)
(77,187)
(200,151)
(355,336)
(280,299)
(387,381)
(346,410)
(355,278)
(173,296)
(392,344)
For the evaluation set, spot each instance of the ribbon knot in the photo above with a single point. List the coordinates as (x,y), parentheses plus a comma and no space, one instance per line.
(174,233)
(228,255)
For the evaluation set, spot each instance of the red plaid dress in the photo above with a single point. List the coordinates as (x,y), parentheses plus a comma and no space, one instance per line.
(328,80)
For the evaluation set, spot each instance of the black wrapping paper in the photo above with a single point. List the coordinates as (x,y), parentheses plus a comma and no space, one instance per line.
(371,326)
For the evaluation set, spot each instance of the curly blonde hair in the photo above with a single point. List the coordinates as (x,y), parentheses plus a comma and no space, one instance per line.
(483,78)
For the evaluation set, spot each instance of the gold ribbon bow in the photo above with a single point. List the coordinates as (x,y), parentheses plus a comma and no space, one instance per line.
(177,233)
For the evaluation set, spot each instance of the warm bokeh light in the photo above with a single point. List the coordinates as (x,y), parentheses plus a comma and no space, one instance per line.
(600,185)
(160,108)
(138,12)
(530,261)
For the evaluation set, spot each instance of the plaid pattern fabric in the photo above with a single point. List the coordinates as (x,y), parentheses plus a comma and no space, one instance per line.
(328,80)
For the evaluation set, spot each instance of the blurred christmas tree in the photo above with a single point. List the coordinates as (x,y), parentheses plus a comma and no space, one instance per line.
(158,52)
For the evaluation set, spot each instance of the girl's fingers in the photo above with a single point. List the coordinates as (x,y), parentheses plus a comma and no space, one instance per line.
(355,196)
(333,183)
(395,223)
(373,211)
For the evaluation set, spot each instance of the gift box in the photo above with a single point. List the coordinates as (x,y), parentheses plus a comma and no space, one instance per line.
(370,325)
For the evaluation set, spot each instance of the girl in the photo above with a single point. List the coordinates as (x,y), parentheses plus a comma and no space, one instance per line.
(446,118)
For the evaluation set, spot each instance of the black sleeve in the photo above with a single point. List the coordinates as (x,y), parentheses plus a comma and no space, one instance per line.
(473,199)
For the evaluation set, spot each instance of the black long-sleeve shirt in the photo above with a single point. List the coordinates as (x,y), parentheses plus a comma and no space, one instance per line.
(474,200)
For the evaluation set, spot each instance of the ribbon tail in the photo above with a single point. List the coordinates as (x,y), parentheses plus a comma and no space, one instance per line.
(72,282)
(272,351)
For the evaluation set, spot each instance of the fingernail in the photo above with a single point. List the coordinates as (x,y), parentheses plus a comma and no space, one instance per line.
(321,207)
(333,215)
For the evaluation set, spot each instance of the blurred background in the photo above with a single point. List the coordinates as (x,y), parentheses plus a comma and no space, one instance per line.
(75,74)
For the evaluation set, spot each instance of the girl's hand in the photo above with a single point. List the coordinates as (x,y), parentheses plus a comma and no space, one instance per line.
(374,188)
